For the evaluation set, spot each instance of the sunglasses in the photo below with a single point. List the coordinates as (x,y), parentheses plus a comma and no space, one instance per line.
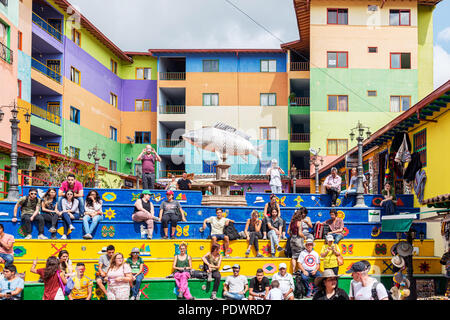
(135,253)
(33,193)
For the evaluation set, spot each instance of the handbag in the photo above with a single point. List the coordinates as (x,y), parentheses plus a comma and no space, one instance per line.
(340,260)
(67,289)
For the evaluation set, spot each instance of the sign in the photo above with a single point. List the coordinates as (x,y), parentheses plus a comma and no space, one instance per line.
(374,216)
(28,164)
(351,162)
(128,183)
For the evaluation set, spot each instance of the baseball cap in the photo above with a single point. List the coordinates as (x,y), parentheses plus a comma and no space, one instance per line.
(135,250)
(169,192)
(309,241)
(236,266)
(146,192)
(282,265)
(357,267)
(329,237)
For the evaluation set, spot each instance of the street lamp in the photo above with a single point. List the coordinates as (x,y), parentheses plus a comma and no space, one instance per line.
(13,192)
(316,160)
(360,138)
(95,154)
(294,178)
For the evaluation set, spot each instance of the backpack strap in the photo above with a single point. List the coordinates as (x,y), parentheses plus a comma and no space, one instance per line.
(374,290)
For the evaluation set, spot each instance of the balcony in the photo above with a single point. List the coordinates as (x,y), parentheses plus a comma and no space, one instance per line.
(6,54)
(301,174)
(168,173)
(300,137)
(172,76)
(172,109)
(42,68)
(46,115)
(299,102)
(167,143)
(299,66)
(47,27)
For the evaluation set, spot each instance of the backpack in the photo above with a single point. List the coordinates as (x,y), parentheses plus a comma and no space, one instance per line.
(230,231)
(375,294)
(299,289)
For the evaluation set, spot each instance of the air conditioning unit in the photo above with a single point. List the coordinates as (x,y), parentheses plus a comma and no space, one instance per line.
(129,160)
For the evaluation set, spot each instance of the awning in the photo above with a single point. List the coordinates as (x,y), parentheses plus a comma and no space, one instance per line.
(397,223)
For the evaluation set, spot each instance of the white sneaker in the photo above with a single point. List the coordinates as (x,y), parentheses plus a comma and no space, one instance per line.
(63,237)
(72,227)
(28,237)
(42,237)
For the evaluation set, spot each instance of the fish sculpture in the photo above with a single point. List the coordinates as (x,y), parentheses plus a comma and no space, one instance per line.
(223,140)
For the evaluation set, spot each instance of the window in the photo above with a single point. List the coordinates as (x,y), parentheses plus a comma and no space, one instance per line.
(113,99)
(53,107)
(142,137)
(76,37)
(209,166)
(75,75)
(142,105)
(210,99)
(19,40)
(210,65)
(112,165)
(337,147)
(113,133)
(372,49)
(338,103)
(337,59)
(113,66)
(399,17)
(401,60)
(400,103)
(75,152)
(337,16)
(268,65)
(371,93)
(19,89)
(268,99)
(268,133)
(420,145)
(143,73)
(75,115)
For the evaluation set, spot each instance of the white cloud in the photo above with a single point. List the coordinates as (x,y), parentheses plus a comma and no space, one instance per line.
(441,66)
(444,35)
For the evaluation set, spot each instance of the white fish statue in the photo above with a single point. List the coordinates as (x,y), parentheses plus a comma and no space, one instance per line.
(223,140)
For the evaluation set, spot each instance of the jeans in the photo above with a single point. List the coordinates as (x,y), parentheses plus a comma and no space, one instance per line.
(254,236)
(305,280)
(148,180)
(67,221)
(137,285)
(9,258)
(334,195)
(95,220)
(275,189)
(274,240)
(337,237)
(389,207)
(26,223)
(234,295)
(80,205)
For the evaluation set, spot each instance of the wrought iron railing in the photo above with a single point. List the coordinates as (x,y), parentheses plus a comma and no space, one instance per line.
(6,54)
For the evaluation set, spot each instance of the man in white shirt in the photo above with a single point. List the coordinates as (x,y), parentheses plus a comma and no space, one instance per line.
(286,282)
(365,287)
(275,173)
(235,286)
(218,224)
(308,263)
(332,185)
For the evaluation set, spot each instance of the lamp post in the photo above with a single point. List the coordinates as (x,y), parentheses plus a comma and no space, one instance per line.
(317,161)
(294,178)
(95,154)
(360,138)
(13,192)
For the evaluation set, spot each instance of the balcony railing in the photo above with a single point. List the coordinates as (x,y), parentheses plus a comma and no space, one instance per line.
(300,137)
(167,143)
(299,66)
(42,68)
(6,54)
(181,109)
(168,173)
(299,102)
(301,174)
(44,114)
(172,76)
(47,27)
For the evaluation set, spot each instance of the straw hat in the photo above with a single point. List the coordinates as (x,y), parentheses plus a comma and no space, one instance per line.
(328,273)
(398,261)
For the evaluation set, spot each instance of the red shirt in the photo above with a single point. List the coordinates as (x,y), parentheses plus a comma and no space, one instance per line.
(51,286)
(148,163)
(7,239)
(77,187)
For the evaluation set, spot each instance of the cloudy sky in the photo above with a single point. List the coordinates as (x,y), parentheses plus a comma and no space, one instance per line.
(139,25)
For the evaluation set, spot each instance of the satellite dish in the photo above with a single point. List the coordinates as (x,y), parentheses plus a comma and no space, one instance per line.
(130,139)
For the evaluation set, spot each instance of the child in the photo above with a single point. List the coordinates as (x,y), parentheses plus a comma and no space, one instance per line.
(275,293)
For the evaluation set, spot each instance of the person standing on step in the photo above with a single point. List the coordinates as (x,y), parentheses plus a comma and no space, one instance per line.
(76,187)
(286,282)
(137,270)
(184,183)
(148,157)
(329,254)
(170,211)
(236,285)
(118,277)
(296,238)
(212,261)
(70,211)
(93,212)
(54,278)
(6,247)
(309,264)
(259,286)
(275,172)
(29,212)
(365,287)
(182,264)
(103,265)
(252,232)
(218,224)
(332,185)
(144,211)
(49,210)
(274,227)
